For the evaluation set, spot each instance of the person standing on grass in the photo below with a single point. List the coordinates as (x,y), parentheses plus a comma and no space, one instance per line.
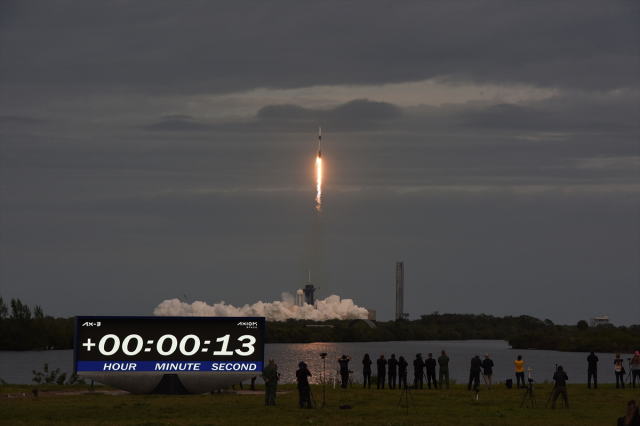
(592,370)
(402,372)
(443,361)
(430,365)
(304,390)
(393,364)
(382,370)
(474,373)
(520,372)
(344,369)
(560,388)
(418,366)
(366,371)
(270,375)
(487,365)
(635,368)
(619,369)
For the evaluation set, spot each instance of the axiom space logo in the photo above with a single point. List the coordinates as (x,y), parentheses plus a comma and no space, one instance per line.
(248,324)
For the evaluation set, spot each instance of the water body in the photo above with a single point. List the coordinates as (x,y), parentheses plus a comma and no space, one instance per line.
(16,367)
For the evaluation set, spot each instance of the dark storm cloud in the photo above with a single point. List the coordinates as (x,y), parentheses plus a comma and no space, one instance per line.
(572,139)
(176,125)
(89,47)
(14,119)
(176,117)
(358,110)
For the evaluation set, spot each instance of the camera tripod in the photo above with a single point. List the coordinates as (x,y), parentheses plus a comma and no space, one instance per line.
(427,383)
(323,355)
(349,379)
(550,395)
(529,392)
(312,397)
(628,379)
(485,380)
(406,392)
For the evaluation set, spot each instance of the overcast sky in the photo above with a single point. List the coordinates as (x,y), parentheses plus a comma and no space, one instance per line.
(151,149)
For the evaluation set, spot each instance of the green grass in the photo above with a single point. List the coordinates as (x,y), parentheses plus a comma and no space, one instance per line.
(499,406)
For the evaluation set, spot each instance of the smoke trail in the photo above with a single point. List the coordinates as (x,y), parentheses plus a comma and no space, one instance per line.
(330,308)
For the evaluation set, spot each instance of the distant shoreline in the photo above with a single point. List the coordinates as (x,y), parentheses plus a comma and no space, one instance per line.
(37,332)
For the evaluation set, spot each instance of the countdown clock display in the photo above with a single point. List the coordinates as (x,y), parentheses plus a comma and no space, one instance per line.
(168,344)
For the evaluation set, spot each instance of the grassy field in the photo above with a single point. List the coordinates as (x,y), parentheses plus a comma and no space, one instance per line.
(70,405)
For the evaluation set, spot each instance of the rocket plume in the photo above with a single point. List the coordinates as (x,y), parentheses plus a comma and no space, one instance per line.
(318,197)
(319,169)
(330,308)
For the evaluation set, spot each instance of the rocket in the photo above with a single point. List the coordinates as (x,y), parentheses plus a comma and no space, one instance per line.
(319,140)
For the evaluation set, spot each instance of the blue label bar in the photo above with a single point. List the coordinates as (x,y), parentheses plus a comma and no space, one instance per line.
(169,366)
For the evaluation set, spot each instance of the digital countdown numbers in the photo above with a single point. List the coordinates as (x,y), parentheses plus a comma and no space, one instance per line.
(202,344)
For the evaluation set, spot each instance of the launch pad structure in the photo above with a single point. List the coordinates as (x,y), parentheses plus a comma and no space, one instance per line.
(308,292)
(400,291)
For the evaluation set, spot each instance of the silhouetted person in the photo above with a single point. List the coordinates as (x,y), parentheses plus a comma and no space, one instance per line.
(344,369)
(560,377)
(430,365)
(474,373)
(418,365)
(270,375)
(393,363)
(366,371)
(304,390)
(402,372)
(592,370)
(487,365)
(382,370)
(443,361)
(634,364)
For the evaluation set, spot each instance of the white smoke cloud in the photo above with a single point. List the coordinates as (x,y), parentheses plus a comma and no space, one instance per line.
(330,308)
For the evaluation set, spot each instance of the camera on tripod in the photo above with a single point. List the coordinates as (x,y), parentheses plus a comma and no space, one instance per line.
(323,355)
(529,392)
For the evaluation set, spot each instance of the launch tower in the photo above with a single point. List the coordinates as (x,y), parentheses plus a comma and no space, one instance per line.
(400,291)
(308,291)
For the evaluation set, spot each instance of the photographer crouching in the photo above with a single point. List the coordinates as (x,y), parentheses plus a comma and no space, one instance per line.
(560,377)
(304,390)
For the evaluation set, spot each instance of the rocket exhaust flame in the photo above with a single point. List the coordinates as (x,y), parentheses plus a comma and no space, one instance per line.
(319,169)
(319,196)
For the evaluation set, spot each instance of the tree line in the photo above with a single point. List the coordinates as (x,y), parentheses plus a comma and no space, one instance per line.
(22,328)
(580,338)
(521,332)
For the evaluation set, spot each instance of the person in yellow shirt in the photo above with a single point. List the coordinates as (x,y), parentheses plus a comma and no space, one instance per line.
(520,372)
